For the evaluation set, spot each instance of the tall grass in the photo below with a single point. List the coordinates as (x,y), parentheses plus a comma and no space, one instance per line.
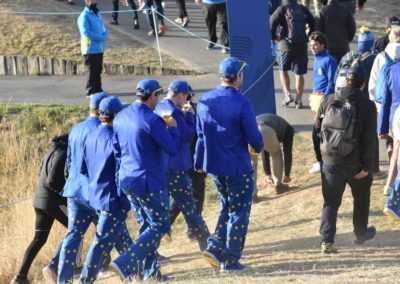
(25,133)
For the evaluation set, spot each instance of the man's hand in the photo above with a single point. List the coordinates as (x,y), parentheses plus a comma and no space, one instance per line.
(171,122)
(270,181)
(198,2)
(286,179)
(383,136)
(360,7)
(362,174)
(200,171)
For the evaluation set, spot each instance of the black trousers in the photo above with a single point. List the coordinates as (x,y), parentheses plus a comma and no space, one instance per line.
(212,13)
(199,185)
(94,67)
(334,180)
(44,222)
(132,5)
(182,8)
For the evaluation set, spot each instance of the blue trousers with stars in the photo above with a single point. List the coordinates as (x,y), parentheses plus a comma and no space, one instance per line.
(110,228)
(80,216)
(153,209)
(180,189)
(235,193)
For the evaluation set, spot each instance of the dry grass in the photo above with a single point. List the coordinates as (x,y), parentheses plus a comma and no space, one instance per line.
(58,37)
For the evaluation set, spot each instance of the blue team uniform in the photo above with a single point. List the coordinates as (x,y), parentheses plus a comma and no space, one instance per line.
(143,138)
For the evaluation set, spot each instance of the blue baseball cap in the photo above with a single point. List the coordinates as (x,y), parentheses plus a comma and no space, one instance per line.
(178,86)
(231,67)
(110,105)
(95,100)
(148,87)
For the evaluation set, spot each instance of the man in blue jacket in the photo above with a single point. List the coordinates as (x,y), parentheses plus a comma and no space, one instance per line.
(99,165)
(93,44)
(178,180)
(143,138)
(226,125)
(80,213)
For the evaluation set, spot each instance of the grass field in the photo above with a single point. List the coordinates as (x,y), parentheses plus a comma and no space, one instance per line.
(283,241)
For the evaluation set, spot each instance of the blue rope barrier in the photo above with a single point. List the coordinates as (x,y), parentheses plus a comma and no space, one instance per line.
(65,13)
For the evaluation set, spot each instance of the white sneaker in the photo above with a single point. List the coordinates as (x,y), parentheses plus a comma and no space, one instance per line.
(387,190)
(49,275)
(316,168)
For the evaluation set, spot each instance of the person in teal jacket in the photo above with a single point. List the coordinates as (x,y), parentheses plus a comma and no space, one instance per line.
(93,44)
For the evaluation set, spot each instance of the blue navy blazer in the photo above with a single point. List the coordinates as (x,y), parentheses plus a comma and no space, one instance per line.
(226,124)
(182,161)
(76,185)
(99,165)
(143,137)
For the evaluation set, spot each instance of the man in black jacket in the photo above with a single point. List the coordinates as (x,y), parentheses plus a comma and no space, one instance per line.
(383,41)
(337,23)
(353,168)
(49,206)
(288,26)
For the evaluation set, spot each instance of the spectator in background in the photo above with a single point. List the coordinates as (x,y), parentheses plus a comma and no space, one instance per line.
(347,113)
(160,9)
(214,10)
(317,5)
(383,41)
(275,130)
(338,24)
(273,5)
(323,84)
(93,44)
(183,18)
(290,33)
(115,14)
(390,55)
(49,206)
(351,4)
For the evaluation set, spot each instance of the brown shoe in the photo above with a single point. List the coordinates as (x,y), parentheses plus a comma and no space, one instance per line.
(161,30)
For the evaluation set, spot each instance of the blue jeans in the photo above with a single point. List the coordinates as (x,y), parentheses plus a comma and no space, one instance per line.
(153,208)
(80,215)
(334,180)
(110,227)
(235,194)
(159,9)
(180,189)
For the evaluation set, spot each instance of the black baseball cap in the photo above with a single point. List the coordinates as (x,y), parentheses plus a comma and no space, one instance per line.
(393,21)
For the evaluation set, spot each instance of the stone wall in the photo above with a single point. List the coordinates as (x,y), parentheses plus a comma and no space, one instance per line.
(26,65)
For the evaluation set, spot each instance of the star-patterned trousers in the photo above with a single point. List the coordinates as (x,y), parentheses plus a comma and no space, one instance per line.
(235,193)
(111,231)
(152,208)
(180,189)
(80,216)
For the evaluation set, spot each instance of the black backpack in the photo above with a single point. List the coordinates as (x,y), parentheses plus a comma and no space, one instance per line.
(337,129)
(295,20)
(351,59)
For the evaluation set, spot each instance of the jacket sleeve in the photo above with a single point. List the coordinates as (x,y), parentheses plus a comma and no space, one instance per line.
(318,125)
(368,139)
(84,168)
(310,20)
(167,139)
(330,73)
(266,162)
(84,29)
(185,125)
(55,177)
(250,127)
(199,150)
(351,26)
(383,121)
(117,156)
(373,77)
(274,22)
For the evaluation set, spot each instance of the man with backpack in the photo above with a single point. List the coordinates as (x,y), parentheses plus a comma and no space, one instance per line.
(288,27)
(338,24)
(346,130)
(377,80)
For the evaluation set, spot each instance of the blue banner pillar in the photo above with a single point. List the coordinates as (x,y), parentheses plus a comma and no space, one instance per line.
(250,41)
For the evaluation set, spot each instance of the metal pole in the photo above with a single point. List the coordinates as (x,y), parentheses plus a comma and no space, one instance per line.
(156,31)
